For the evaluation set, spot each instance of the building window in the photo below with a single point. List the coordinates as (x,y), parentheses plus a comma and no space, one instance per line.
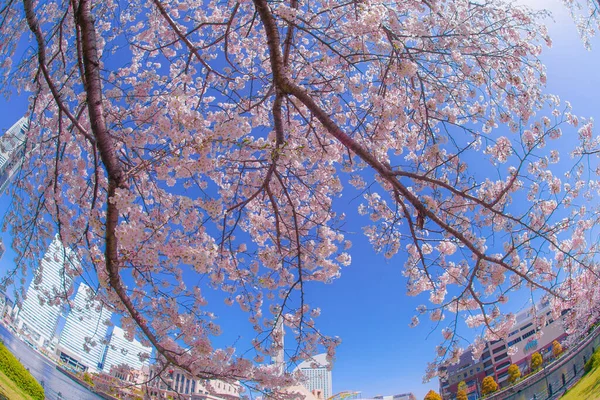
(526,326)
(526,335)
(504,364)
(515,341)
(499,349)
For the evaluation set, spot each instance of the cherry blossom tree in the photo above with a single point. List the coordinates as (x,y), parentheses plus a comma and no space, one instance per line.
(587,16)
(212,139)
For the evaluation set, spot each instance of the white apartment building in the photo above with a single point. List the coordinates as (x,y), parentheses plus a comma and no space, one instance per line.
(82,339)
(121,351)
(38,315)
(317,374)
(177,384)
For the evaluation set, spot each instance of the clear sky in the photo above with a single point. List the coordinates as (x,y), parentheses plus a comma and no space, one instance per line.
(367,306)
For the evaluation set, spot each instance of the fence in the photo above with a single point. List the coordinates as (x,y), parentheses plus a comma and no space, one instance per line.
(554,379)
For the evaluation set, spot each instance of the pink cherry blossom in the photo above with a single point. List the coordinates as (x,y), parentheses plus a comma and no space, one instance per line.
(177,147)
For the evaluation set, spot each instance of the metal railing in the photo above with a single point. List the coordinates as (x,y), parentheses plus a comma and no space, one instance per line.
(553,388)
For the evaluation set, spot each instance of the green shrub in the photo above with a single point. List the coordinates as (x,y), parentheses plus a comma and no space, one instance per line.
(593,362)
(17,373)
(87,378)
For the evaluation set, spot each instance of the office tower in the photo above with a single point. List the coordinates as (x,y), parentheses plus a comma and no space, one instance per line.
(317,374)
(12,150)
(81,343)
(121,351)
(42,305)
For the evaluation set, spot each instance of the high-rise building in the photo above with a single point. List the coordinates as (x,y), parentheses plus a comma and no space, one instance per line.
(317,373)
(12,150)
(120,351)
(81,343)
(42,305)
(6,306)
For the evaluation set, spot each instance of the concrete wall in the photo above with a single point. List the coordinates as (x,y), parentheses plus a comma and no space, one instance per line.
(553,380)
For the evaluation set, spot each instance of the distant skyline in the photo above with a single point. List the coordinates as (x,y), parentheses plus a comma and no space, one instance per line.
(83,335)
(367,307)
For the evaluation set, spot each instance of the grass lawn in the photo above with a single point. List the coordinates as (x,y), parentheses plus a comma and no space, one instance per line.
(9,390)
(588,387)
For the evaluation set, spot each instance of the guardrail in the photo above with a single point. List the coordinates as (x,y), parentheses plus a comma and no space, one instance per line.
(554,379)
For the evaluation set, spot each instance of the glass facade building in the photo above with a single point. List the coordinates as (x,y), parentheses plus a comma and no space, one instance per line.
(121,351)
(42,305)
(83,337)
(12,150)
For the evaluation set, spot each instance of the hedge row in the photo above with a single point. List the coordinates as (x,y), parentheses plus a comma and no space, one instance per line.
(593,362)
(17,373)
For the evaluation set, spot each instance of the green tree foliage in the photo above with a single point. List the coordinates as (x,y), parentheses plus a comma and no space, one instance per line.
(432,395)
(514,373)
(488,385)
(536,361)
(17,373)
(556,348)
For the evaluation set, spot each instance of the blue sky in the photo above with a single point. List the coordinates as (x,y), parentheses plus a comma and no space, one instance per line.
(367,306)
